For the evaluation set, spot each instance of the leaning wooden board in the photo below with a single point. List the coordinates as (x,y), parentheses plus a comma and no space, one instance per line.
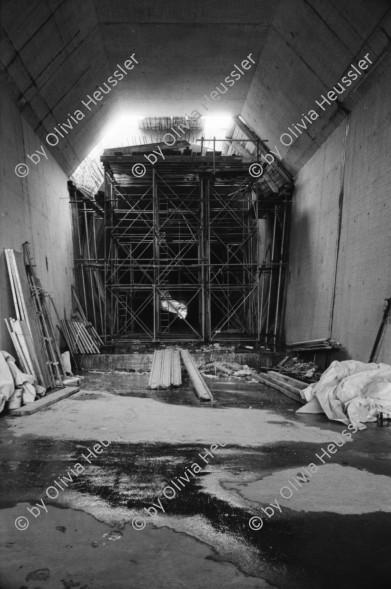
(298,384)
(201,388)
(289,391)
(45,402)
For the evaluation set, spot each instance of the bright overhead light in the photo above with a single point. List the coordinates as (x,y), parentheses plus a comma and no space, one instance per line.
(216,125)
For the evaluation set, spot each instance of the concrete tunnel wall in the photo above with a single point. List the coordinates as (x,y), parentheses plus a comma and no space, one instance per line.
(34,209)
(338,279)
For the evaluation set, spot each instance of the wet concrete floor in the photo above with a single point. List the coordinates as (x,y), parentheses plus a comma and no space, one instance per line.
(92,529)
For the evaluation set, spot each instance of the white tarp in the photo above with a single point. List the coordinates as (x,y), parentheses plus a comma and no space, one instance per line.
(168,304)
(15,385)
(352,391)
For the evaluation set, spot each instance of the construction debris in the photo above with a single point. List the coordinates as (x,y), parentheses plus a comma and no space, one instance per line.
(288,386)
(216,348)
(227,369)
(308,371)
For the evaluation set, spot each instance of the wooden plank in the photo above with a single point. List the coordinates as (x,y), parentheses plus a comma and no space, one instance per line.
(298,384)
(310,342)
(19,290)
(45,402)
(17,329)
(151,376)
(31,348)
(165,381)
(279,386)
(199,384)
(17,347)
(176,374)
(11,279)
(318,348)
(156,376)
(284,385)
(21,296)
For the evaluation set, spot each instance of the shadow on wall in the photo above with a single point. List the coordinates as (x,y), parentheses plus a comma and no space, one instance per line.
(301,284)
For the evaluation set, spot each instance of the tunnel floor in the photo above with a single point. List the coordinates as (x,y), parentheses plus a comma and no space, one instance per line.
(136,512)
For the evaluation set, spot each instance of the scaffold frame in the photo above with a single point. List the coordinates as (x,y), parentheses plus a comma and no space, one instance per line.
(186,231)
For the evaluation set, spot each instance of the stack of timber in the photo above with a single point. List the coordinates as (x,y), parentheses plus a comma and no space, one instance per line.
(200,386)
(32,331)
(285,384)
(166,369)
(315,344)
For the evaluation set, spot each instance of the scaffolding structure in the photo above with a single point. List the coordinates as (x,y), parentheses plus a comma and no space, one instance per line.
(190,231)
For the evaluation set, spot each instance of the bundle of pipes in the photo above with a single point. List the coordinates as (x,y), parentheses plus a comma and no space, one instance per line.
(78,338)
(315,344)
(90,329)
(80,316)
(166,369)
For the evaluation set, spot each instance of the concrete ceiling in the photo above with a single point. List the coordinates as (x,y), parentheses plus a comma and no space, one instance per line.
(56,52)
(309,48)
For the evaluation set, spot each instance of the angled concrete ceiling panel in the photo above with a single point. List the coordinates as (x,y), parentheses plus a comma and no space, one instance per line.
(305,55)
(57,57)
